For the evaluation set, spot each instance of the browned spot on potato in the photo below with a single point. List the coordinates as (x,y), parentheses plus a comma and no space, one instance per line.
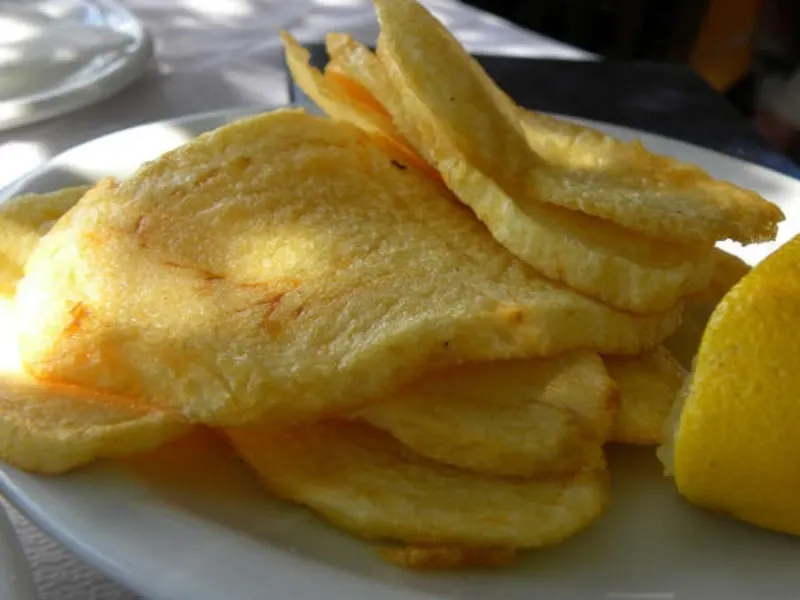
(204,274)
(273,328)
(270,299)
(210,276)
(513,314)
(78,313)
(285,283)
(241,163)
(271,304)
(204,178)
(141,224)
(95,238)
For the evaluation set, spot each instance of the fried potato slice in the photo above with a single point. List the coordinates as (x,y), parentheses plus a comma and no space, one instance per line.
(23,220)
(364,481)
(52,428)
(342,98)
(648,386)
(48,428)
(598,258)
(728,270)
(286,266)
(445,557)
(522,417)
(677,202)
(684,343)
(333,94)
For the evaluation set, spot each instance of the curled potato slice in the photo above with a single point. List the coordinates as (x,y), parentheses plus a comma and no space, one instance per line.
(364,481)
(522,417)
(648,386)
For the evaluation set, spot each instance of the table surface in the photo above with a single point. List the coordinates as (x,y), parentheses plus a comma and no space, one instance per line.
(212,55)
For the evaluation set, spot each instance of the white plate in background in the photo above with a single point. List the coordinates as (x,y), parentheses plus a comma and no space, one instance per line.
(216,534)
(47,70)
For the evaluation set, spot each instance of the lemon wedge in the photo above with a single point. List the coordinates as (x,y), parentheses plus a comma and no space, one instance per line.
(735,442)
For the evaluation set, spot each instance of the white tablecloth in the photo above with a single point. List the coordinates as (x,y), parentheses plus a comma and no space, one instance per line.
(214,54)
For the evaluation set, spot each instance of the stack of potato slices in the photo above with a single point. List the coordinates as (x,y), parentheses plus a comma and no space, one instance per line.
(423,316)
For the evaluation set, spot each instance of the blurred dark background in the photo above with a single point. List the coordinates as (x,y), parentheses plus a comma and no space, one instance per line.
(748,50)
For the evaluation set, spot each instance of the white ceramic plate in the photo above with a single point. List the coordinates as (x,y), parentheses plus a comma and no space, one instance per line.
(213,534)
(57,90)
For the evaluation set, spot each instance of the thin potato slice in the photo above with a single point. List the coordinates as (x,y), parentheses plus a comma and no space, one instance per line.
(23,221)
(49,428)
(728,270)
(330,93)
(342,98)
(52,428)
(523,417)
(648,386)
(598,258)
(677,202)
(364,481)
(282,267)
(684,343)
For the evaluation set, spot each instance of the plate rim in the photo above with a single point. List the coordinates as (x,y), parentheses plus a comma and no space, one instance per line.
(113,77)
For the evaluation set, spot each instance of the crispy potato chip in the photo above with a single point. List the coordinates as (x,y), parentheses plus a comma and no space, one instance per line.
(445,557)
(23,220)
(598,258)
(477,118)
(728,270)
(342,98)
(684,343)
(358,64)
(364,481)
(648,385)
(523,417)
(677,202)
(331,94)
(51,428)
(285,266)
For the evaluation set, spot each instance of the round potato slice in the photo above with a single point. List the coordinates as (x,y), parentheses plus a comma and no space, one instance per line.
(683,344)
(364,481)
(648,386)
(282,267)
(48,428)
(23,221)
(522,417)
(52,428)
